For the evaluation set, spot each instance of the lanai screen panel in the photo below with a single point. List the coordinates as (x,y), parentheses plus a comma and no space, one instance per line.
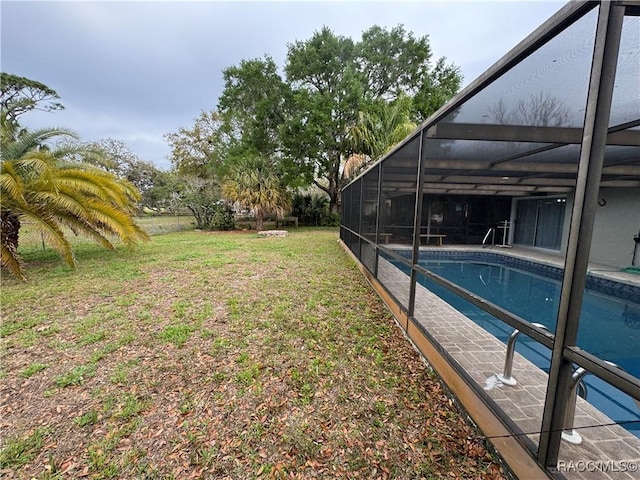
(355,216)
(625,105)
(346,217)
(369,217)
(345,197)
(517,133)
(622,159)
(556,73)
(398,194)
(370,203)
(399,178)
(614,333)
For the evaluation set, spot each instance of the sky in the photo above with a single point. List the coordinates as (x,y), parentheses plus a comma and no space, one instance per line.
(134,71)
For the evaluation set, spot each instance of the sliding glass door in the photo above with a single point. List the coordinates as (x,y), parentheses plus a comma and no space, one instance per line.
(539,222)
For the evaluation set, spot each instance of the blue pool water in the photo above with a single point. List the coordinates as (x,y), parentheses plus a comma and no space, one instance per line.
(609,323)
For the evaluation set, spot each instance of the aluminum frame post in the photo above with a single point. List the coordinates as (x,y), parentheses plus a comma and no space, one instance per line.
(603,70)
(378,210)
(417,220)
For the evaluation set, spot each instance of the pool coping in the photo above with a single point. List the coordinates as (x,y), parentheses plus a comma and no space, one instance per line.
(595,281)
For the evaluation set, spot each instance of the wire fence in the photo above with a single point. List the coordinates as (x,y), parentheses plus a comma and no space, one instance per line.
(31,238)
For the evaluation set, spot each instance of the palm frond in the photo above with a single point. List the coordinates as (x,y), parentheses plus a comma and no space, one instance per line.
(112,220)
(253,184)
(47,226)
(31,140)
(82,227)
(11,185)
(355,163)
(61,201)
(376,132)
(11,261)
(57,187)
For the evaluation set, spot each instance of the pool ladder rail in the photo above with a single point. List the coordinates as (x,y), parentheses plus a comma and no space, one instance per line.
(576,386)
(492,232)
(504,225)
(506,378)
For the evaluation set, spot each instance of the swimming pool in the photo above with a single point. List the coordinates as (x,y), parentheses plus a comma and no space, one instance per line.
(609,322)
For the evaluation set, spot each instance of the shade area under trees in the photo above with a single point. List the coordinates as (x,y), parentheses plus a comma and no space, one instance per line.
(340,105)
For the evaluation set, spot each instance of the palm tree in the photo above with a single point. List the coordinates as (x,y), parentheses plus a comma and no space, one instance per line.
(377,131)
(53,188)
(253,183)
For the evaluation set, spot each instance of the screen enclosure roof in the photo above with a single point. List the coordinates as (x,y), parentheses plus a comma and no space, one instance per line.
(517,130)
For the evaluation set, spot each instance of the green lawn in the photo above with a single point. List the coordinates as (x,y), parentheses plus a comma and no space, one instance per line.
(218,355)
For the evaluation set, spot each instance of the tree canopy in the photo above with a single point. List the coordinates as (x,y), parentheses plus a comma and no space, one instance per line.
(327,96)
(252,105)
(20,95)
(339,99)
(201,149)
(337,83)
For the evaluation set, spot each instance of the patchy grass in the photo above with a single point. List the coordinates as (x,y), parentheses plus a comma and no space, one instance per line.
(218,355)
(18,451)
(76,376)
(32,369)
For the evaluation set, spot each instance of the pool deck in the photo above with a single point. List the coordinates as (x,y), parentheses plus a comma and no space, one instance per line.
(481,355)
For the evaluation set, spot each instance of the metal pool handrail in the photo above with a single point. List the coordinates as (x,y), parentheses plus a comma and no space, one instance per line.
(568,433)
(506,377)
(492,232)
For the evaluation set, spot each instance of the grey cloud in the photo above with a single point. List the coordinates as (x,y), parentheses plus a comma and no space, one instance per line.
(136,70)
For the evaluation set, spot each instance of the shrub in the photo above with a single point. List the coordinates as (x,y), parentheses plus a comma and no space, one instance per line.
(331,220)
(311,210)
(222,218)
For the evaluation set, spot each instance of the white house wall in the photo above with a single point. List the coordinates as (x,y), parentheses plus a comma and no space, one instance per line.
(617,222)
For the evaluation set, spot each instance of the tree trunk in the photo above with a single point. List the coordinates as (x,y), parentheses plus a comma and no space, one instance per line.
(9,233)
(259,221)
(10,226)
(334,201)
(334,185)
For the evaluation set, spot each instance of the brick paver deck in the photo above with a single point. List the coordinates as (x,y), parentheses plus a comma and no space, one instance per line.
(482,356)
